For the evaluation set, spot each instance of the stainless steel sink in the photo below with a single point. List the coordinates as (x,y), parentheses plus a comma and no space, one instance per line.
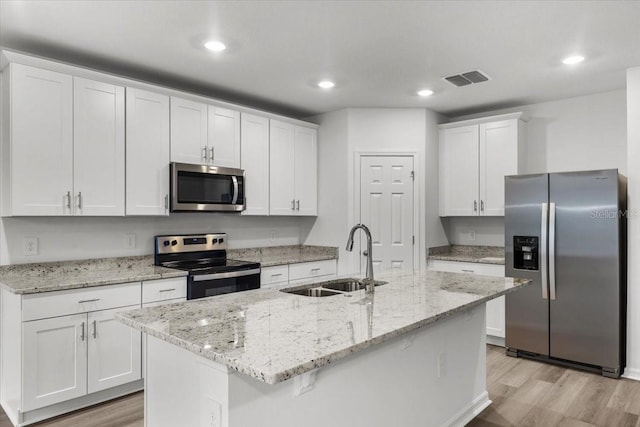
(330,288)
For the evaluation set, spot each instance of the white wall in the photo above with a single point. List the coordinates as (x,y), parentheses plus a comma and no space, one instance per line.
(581,133)
(66,238)
(633,236)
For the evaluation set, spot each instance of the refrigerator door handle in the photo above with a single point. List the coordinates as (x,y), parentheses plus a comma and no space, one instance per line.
(543,249)
(552,251)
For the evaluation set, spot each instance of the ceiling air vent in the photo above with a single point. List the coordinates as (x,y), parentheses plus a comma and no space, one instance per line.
(467,78)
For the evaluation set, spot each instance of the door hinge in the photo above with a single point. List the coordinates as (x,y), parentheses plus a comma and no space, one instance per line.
(413,176)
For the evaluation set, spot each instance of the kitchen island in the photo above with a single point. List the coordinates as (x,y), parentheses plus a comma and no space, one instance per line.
(412,354)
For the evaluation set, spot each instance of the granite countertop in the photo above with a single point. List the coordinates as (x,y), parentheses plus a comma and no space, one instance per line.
(463,253)
(57,276)
(273,336)
(281,255)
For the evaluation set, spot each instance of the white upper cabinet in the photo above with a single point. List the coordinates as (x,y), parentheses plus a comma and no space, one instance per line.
(475,156)
(254,160)
(38,154)
(293,169)
(147,153)
(224,137)
(98,155)
(61,129)
(188,131)
(204,134)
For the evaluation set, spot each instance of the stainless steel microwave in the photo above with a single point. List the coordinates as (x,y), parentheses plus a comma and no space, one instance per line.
(203,188)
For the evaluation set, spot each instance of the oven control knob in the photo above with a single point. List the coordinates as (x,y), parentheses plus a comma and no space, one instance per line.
(221,240)
(166,243)
(174,242)
(214,241)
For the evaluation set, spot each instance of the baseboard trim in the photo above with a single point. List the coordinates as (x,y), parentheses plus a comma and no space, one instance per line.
(469,412)
(631,374)
(495,340)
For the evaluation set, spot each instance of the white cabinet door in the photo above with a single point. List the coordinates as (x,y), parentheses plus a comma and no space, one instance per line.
(41,141)
(306,164)
(188,131)
(224,137)
(98,160)
(498,158)
(55,360)
(147,153)
(281,165)
(255,162)
(496,317)
(459,171)
(114,351)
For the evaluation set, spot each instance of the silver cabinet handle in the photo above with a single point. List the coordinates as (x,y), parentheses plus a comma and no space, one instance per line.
(166,202)
(211,154)
(204,153)
(293,205)
(315,269)
(482,205)
(475,206)
(69,200)
(167,290)
(298,205)
(276,274)
(468,271)
(95,330)
(82,331)
(79,199)
(552,251)
(88,300)
(543,249)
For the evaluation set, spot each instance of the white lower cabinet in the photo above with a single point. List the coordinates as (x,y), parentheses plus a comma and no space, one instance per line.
(495,307)
(296,273)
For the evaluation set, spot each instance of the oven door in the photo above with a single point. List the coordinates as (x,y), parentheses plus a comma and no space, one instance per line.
(206,188)
(208,285)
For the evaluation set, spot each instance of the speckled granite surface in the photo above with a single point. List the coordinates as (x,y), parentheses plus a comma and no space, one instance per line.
(273,336)
(463,253)
(57,276)
(280,255)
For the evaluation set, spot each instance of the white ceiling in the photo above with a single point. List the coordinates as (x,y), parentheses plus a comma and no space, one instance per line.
(378,52)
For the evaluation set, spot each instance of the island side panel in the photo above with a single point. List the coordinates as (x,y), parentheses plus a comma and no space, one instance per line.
(398,382)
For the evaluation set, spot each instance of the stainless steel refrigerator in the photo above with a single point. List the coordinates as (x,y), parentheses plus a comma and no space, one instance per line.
(566,232)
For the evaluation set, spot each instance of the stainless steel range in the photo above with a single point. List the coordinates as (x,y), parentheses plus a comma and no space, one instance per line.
(204,256)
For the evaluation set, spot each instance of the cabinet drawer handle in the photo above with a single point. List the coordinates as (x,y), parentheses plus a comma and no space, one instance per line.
(315,269)
(211,153)
(79,199)
(482,205)
(82,331)
(88,300)
(468,271)
(95,330)
(276,275)
(298,205)
(167,290)
(475,206)
(293,205)
(204,153)
(68,200)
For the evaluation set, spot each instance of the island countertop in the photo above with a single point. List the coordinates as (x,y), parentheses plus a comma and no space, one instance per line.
(273,336)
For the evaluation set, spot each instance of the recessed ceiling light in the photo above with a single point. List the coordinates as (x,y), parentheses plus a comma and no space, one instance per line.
(574,59)
(326,84)
(425,92)
(215,45)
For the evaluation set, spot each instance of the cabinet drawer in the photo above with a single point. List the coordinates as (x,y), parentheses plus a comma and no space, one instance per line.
(273,275)
(164,289)
(467,267)
(61,303)
(307,270)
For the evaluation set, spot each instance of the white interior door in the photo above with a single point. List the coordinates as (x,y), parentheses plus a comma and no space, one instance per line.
(386,207)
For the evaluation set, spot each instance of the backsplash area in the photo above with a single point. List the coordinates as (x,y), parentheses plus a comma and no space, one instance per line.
(69,238)
(488,231)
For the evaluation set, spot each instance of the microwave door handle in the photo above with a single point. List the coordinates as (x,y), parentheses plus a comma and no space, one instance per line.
(235,189)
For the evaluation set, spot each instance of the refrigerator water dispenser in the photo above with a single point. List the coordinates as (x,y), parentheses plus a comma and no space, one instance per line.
(525,252)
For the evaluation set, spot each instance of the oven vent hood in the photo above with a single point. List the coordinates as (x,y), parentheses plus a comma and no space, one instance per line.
(468,78)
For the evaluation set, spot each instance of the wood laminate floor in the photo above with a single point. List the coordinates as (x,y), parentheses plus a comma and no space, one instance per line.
(524,393)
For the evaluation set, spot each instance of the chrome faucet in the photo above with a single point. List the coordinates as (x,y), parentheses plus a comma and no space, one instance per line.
(368,281)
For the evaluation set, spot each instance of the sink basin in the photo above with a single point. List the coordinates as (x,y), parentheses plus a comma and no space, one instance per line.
(330,287)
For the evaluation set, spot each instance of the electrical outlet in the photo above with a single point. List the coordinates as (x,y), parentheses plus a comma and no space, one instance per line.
(273,235)
(442,365)
(472,235)
(130,241)
(30,246)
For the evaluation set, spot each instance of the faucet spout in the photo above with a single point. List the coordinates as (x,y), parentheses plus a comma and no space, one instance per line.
(369,282)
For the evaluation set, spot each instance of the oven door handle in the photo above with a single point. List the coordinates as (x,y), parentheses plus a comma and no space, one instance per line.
(235,189)
(228,275)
